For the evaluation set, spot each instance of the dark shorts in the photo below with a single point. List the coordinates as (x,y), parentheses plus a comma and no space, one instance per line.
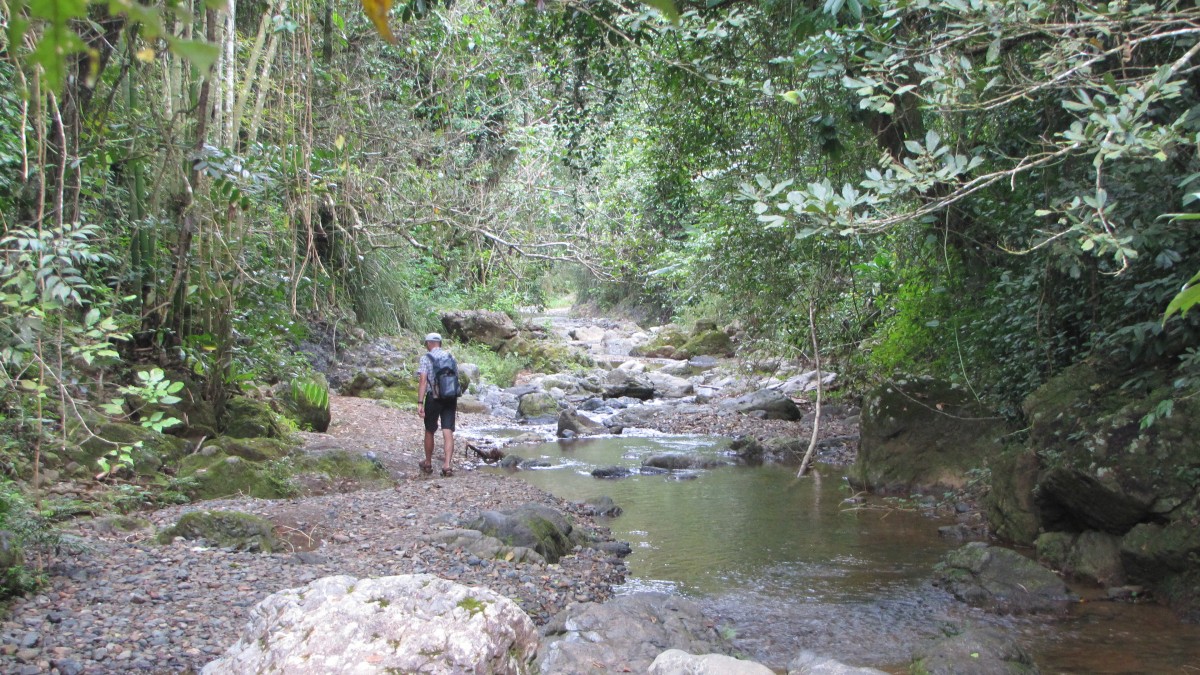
(439,410)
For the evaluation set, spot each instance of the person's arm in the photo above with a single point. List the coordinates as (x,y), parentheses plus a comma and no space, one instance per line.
(421,386)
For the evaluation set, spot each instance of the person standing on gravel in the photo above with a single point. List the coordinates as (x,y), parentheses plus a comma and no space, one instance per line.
(436,406)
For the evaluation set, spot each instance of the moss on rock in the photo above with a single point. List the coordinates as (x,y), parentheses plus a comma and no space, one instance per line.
(709,343)
(154,450)
(219,475)
(253,449)
(1087,424)
(225,529)
(922,434)
(1009,503)
(248,418)
(545,356)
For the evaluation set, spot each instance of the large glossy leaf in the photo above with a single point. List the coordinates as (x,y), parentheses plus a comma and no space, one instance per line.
(1185,299)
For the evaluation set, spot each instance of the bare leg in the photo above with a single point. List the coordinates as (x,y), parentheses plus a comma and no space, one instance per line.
(447,446)
(428,448)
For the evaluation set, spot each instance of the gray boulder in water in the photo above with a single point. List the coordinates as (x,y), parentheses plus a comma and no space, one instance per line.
(403,624)
(672,461)
(771,402)
(1002,581)
(973,652)
(578,425)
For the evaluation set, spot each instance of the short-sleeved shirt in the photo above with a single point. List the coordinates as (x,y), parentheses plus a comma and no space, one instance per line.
(425,364)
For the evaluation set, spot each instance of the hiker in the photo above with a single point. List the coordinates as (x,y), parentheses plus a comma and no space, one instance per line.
(437,399)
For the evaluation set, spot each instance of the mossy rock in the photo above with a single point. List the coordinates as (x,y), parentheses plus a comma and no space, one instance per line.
(709,343)
(220,475)
(537,405)
(534,526)
(198,415)
(253,449)
(248,418)
(156,448)
(1104,471)
(546,356)
(225,529)
(1092,557)
(361,382)
(1002,581)
(923,435)
(1152,552)
(342,464)
(120,523)
(15,578)
(401,395)
(1009,504)
(1181,592)
(665,343)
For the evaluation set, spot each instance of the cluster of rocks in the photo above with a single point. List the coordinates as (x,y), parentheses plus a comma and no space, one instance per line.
(1086,485)
(423,623)
(169,594)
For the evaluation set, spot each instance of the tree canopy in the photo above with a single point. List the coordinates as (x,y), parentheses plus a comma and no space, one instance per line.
(988,191)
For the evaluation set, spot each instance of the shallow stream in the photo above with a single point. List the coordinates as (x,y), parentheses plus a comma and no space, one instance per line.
(788,564)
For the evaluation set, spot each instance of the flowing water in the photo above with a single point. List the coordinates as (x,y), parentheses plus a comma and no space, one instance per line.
(788,564)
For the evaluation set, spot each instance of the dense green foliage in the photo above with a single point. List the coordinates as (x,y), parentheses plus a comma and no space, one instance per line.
(987,191)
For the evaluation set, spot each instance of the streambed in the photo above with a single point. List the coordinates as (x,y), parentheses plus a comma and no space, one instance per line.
(789,564)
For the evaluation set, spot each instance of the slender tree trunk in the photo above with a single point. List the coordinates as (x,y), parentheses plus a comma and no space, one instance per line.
(263,84)
(243,94)
(812,441)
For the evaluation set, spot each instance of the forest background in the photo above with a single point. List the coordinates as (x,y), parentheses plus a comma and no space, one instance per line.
(986,192)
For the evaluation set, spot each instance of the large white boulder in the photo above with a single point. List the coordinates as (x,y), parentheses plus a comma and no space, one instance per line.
(669,386)
(411,623)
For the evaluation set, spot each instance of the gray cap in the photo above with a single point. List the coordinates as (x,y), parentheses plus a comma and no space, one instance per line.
(433,337)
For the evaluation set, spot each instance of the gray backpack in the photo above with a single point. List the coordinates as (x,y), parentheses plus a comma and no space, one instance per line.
(445,376)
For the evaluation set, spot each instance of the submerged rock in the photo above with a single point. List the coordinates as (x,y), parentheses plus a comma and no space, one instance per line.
(973,652)
(1002,581)
(410,623)
(602,506)
(809,663)
(678,662)
(625,634)
(612,472)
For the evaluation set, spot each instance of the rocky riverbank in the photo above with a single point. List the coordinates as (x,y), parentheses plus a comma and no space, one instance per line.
(127,604)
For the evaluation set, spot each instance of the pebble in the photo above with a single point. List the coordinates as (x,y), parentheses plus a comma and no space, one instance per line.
(126,604)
